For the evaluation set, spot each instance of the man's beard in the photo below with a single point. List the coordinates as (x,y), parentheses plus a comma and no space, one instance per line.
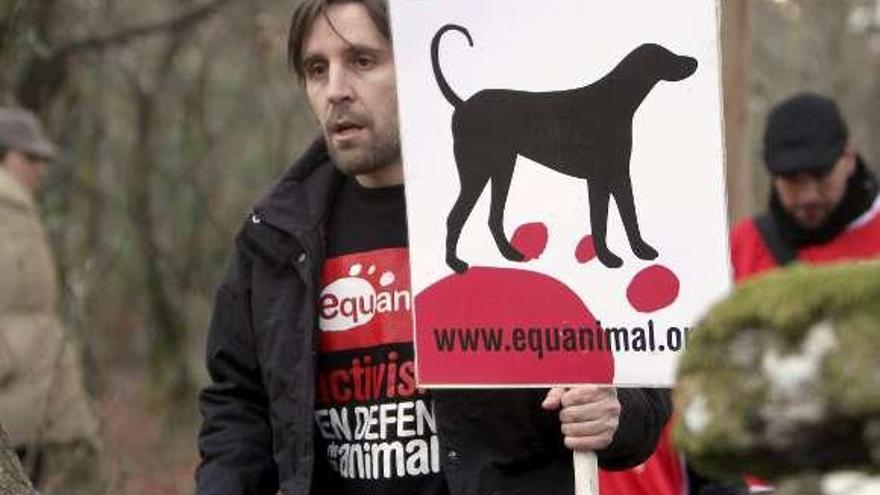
(861,192)
(365,160)
(380,148)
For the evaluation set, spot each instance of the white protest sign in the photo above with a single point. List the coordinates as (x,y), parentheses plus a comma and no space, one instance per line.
(565,186)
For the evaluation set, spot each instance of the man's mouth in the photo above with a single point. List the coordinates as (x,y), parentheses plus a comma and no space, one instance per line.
(811,216)
(345,129)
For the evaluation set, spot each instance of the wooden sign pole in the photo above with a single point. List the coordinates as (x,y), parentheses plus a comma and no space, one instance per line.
(586,473)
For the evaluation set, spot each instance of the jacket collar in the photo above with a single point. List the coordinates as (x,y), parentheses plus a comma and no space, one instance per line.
(13,193)
(300,201)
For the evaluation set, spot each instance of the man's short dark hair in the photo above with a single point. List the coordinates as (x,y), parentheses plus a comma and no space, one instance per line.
(308,11)
(3,151)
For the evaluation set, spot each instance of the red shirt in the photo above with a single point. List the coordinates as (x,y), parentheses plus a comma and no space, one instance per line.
(751,256)
(661,474)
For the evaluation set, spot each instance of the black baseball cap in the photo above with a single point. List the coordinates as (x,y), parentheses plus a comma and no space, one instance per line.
(805,133)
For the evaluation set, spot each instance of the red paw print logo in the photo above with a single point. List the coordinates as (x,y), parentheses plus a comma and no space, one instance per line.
(651,289)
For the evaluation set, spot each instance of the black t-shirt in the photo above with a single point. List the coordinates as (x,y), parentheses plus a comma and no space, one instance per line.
(375,431)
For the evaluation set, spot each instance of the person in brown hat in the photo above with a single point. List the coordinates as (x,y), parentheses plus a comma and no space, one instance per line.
(44,407)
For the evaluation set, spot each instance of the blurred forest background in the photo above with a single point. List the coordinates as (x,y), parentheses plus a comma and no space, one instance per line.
(174,115)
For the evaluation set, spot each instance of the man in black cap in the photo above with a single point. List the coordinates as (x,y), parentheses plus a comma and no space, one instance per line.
(823,208)
(823,203)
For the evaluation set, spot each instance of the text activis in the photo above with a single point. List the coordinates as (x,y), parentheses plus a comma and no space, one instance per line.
(365,380)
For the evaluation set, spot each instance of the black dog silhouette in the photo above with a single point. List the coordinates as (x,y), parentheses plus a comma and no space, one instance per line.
(584,132)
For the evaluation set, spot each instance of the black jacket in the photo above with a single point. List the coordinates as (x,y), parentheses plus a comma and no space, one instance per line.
(257,431)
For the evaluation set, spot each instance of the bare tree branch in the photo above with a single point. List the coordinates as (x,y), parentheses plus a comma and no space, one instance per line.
(175,24)
(45,75)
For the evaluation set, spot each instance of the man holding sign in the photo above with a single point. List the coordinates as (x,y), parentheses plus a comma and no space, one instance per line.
(310,349)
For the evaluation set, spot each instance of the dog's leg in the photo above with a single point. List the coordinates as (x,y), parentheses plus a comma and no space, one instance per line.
(626,206)
(472,186)
(500,188)
(599,198)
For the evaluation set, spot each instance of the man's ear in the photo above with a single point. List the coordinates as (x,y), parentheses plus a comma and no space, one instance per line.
(849,160)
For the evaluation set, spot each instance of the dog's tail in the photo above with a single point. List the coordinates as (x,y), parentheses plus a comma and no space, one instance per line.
(435,60)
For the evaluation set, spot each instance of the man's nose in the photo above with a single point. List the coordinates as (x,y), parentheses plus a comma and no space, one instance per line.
(339,85)
(809,190)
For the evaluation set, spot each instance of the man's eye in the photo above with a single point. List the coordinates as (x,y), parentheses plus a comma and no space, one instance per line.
(364,62)
(316,70)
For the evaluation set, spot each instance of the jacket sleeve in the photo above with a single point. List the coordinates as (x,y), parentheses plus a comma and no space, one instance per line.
(644,413)
(235,441)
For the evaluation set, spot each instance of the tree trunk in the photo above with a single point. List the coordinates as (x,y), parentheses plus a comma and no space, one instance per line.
(167,356)
(736,47)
